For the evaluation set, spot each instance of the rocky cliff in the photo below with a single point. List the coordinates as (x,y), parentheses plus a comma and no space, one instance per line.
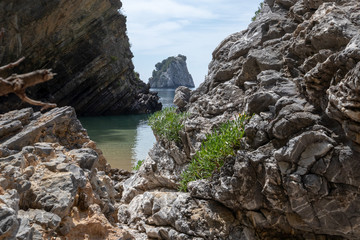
(296,70)
(85,43)
(171,73)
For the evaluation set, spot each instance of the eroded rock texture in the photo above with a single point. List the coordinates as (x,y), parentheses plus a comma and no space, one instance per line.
(54,182)
(85,43)
(296,68)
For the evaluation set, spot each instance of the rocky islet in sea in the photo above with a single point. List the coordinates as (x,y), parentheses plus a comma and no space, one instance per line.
(296,69)
(171,73)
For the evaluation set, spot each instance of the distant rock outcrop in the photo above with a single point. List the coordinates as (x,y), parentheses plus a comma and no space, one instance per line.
(85,44)
(171,73)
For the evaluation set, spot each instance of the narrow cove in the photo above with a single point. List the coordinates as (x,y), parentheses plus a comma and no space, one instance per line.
(125,139)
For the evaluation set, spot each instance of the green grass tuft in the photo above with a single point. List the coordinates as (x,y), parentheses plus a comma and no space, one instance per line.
(217,146)
(257,12)
(113,58)
(167,123)
(138,165)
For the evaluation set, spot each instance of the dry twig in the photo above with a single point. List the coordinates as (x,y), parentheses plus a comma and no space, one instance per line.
(17,83)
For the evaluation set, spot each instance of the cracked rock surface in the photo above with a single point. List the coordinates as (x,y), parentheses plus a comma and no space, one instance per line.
(296,69)
(54,182)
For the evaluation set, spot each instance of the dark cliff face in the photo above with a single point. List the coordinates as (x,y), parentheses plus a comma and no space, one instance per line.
(85,43)
(171,73)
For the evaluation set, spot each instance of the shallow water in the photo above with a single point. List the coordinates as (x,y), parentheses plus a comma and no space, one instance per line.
(125,139)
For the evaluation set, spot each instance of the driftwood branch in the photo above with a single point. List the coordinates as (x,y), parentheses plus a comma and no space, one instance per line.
(22,95)
(11,65)
(27,80)
(17,83)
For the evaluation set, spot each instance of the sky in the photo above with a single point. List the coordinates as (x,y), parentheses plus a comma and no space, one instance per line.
(158,29)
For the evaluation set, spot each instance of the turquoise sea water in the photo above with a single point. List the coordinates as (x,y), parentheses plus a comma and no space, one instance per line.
(125,139)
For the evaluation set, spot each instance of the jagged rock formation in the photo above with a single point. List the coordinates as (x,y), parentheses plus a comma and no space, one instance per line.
(296,68)
(85,44)
(54,182)
(171,73)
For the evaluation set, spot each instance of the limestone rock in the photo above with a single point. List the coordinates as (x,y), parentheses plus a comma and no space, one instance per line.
(9,207)
(9,222)
(45,128)
(41,217)
(159,169)
(25,232)
(344,102)
(86,158)
(53,180)
(171,73)
(91,56)
(172,215)
(296,71)
(182,97)
(295,177)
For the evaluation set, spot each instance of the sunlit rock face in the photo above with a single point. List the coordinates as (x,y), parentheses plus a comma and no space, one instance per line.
(85,43)
(171,73)
(54,182)
(296,70)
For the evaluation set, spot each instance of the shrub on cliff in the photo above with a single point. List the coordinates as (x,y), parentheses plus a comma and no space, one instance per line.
(138,164)
(167,123)
(257,12)
(218,145)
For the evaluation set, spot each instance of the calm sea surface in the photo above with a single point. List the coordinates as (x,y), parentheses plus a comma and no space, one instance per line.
(125,139)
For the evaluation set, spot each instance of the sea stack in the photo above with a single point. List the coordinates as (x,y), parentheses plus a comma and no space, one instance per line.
(171,73)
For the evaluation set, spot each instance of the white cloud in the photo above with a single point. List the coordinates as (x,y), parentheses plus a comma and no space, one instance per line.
(164,8)
(161,28)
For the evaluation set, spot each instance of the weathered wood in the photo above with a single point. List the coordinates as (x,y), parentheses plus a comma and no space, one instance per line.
(11,65)
(21,94)
(17,83)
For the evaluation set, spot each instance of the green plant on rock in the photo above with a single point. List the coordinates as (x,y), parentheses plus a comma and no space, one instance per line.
(257,12)
(137,76)
(218,145)
(137,166)
(167,123)
(113,59)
